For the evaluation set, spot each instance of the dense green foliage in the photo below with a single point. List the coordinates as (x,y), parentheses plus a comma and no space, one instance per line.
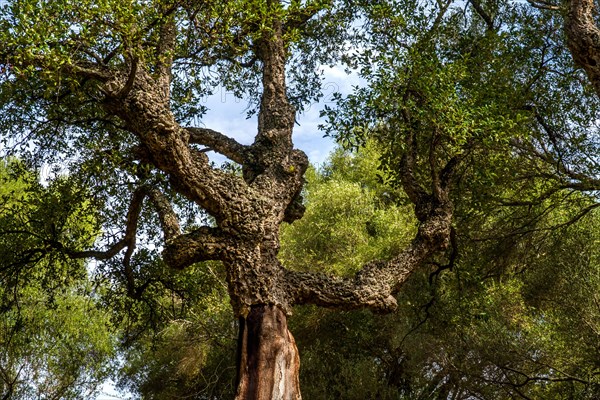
(56,341)
(351,217)
(191,350)
(492,86)
(515,316)
(511,310)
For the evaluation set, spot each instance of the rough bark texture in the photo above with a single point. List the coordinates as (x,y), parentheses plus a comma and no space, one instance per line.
(268,358)
(249,210)
(583,38)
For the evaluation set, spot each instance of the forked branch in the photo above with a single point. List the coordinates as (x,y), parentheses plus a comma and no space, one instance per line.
(168,220)
(376,284)
(128,240)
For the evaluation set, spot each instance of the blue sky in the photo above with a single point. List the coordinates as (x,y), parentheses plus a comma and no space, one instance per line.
(228,116)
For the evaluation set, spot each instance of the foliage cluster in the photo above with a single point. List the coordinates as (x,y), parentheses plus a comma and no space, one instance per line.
(56,341)
(489,88)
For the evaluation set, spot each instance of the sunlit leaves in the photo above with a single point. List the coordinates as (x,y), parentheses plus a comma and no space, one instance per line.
(352,217)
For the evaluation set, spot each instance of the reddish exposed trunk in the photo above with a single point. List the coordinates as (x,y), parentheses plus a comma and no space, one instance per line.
(268,357)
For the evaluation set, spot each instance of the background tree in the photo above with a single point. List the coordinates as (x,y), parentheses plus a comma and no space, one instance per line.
(55,339)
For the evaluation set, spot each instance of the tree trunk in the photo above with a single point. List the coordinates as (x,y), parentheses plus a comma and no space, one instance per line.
(268,361)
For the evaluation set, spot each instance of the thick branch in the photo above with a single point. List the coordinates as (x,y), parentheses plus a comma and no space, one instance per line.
(130,78)
(203,244)
(167,216)
(146,113)
(165,52)
(376,284)
(218,142)
(583,38)
(168,219)
(180,250)
(277,115)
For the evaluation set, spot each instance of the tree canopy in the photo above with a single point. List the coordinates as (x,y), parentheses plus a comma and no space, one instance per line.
(467,215)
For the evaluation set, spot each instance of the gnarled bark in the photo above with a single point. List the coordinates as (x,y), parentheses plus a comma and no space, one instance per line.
(248,210)
(375,285)
(583,38)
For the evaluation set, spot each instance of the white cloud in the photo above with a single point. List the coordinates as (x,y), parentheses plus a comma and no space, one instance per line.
(338,76)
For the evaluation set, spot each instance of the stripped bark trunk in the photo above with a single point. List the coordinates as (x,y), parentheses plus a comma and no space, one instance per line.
(268,358)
